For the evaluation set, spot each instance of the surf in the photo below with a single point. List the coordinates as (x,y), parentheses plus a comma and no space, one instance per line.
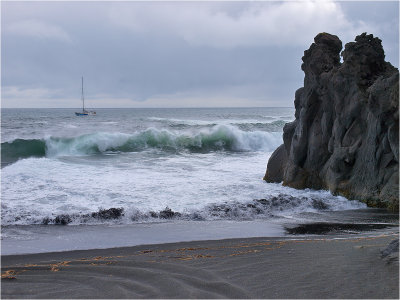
(204,140)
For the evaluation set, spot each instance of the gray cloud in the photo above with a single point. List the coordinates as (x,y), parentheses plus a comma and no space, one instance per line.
(172,54)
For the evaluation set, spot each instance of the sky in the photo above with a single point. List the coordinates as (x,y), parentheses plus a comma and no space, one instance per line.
(173,54)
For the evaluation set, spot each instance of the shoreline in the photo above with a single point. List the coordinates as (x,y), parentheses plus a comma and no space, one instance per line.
(30,239)
(45,238)
(321,266)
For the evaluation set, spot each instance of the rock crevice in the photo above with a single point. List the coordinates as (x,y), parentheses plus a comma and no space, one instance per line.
(345,136)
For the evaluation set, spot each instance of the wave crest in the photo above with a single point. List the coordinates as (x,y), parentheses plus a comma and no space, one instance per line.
(217,138)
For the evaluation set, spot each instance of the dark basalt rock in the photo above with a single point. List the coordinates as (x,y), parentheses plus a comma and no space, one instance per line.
(345,136)
(106,214)
(58,220)
(278,158)
(319,204)
(62,220)
(167,213)
(334,228)
(103,214)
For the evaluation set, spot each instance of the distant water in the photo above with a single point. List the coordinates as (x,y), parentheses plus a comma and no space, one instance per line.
(147,166)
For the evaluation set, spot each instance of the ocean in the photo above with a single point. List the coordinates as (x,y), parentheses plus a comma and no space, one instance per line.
(132,176)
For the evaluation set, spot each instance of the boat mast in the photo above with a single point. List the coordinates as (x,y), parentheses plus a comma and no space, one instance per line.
(83,99)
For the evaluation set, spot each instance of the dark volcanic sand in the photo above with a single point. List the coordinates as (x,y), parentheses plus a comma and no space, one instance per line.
(320,267)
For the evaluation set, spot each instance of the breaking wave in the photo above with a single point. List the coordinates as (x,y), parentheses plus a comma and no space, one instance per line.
(217,138)
(20,148)
(282,205)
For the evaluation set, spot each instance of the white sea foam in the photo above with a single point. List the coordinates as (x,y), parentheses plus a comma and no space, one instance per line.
(193,185)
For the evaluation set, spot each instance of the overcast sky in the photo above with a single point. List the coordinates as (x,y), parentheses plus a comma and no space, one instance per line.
(173,54)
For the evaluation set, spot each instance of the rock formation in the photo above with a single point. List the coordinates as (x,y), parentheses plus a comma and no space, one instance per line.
(345,136)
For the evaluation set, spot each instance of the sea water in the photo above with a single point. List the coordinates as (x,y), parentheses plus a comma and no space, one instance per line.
(153,172)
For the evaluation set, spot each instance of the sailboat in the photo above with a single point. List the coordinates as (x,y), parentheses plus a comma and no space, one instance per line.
(84,111)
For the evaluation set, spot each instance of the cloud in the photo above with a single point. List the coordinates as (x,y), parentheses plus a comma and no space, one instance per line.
(14,96)
(37,29)
(232,96)
(195,53)
(17,92)
(254,24)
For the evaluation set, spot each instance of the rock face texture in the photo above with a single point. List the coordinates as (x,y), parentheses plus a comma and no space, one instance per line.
(345,137)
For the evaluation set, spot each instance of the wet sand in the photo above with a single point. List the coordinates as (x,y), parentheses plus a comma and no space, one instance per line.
(345,266)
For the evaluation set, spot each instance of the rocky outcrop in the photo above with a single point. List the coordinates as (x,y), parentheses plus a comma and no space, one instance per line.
(345,136)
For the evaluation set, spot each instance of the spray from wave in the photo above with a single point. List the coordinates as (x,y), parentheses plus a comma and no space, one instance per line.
(217,138)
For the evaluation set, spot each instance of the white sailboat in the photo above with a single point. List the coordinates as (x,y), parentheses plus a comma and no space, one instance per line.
(84,111)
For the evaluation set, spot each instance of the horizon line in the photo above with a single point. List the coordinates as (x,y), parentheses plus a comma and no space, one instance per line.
(149,107)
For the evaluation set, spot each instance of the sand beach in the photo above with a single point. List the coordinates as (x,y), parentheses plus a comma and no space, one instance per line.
(330,266)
